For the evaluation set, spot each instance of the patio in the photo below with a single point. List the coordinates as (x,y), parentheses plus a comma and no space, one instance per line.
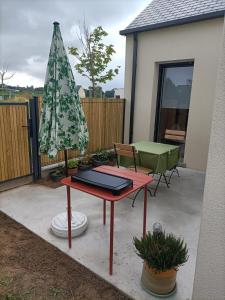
(178,209)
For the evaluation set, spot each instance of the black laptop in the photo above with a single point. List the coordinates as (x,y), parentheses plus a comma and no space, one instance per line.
(112,183)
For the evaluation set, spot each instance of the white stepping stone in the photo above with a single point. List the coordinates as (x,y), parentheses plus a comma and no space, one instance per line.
(59,225)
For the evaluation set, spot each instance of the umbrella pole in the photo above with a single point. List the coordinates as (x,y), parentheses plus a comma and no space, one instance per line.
(66,162)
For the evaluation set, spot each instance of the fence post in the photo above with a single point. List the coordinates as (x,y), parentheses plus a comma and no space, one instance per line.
(124,110)
(34,115)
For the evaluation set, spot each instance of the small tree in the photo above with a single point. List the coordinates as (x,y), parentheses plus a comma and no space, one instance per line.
(4,75)
(94,57)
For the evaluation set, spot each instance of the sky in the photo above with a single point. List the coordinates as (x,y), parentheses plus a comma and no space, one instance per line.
(26,32)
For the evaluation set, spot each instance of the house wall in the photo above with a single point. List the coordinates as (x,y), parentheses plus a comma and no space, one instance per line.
(81,93)
(210,265)
(198,42)
(119,93)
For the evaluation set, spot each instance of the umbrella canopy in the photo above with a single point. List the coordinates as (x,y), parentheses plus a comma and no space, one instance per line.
(62,123)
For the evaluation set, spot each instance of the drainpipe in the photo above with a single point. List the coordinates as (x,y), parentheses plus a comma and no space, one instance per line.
(133,86)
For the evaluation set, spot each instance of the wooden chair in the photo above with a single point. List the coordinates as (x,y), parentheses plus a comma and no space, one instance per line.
(177,136)
(130,152)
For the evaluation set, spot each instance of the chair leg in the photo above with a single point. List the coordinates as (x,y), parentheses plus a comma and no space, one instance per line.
(178,174)
(167,183)
(174,170)
(135,197)
(150,193)
(171,174)
(156,188)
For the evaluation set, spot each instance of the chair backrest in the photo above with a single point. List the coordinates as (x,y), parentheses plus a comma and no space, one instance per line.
(127,151)
(175,135)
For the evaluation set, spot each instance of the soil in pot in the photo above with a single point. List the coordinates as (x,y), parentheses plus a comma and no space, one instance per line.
(162,283)
(72,171)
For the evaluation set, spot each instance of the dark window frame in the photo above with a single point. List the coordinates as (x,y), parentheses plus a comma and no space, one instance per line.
(160,86)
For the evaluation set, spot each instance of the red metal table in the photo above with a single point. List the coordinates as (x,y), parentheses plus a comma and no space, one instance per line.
(139,181)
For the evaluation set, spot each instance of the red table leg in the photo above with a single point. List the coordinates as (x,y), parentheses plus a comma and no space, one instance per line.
(145,210)
(69,216)
(104,212)
(111,238)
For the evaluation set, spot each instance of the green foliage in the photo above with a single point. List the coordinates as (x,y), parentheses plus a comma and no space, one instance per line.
(110,94)
(86,160)
(102,155)
(6,280)
(56,292)
(94,57)
(72,164)
(162,251)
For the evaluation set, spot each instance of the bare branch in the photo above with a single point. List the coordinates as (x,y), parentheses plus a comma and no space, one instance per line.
(3,76)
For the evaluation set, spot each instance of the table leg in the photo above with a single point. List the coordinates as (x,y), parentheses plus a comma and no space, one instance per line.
(111,238)
(69,215)
(104,212)
(145,210)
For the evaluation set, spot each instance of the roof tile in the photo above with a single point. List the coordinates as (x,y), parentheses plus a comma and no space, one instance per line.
(160,11)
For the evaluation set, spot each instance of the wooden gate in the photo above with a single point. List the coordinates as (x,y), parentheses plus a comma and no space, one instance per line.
(15,153)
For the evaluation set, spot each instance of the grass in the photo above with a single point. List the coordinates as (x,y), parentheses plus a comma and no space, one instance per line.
(29,294)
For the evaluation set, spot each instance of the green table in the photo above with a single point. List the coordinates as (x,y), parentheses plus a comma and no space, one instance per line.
(156,156)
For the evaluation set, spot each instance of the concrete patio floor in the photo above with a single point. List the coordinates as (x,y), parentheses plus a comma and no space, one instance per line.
(178,209)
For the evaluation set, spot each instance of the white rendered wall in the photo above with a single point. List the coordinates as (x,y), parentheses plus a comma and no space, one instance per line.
(199,42)
(209,281)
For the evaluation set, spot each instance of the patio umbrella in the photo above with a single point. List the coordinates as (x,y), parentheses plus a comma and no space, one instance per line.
(62,123)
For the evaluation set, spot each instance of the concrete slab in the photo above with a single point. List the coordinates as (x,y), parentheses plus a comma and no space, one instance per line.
(178,209)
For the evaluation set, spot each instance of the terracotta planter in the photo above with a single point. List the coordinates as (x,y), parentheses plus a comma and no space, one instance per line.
(163,283)
(72,171)
(112,162)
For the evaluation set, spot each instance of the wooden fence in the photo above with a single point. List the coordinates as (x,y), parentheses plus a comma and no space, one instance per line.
(105,125)
(14,142)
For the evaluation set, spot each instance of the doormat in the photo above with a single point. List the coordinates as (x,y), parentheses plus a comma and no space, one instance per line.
(31,268)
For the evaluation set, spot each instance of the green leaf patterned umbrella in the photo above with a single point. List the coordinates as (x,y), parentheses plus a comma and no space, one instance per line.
(62,123)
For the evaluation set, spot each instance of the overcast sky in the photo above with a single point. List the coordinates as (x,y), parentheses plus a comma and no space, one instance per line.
(26,32)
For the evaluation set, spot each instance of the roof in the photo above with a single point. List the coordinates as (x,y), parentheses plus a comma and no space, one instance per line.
(165,13)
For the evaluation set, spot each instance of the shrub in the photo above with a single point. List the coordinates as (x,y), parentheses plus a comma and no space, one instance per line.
(162,251)
(72,164)
(86,160)
(101,155)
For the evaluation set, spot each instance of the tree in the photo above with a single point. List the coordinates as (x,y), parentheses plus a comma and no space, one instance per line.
(4,76)
(94,56)
(98,92)
(110,94)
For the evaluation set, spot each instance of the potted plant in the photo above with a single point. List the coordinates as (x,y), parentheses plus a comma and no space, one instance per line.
(101,157)
(56,175)
(163,254)
(85,163)
(112,157)
(72,166)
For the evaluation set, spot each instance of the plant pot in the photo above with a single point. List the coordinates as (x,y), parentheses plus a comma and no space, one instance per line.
(72,171)
(96,162)
(112,162)
(56,175)
(158,284)
(84,167)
